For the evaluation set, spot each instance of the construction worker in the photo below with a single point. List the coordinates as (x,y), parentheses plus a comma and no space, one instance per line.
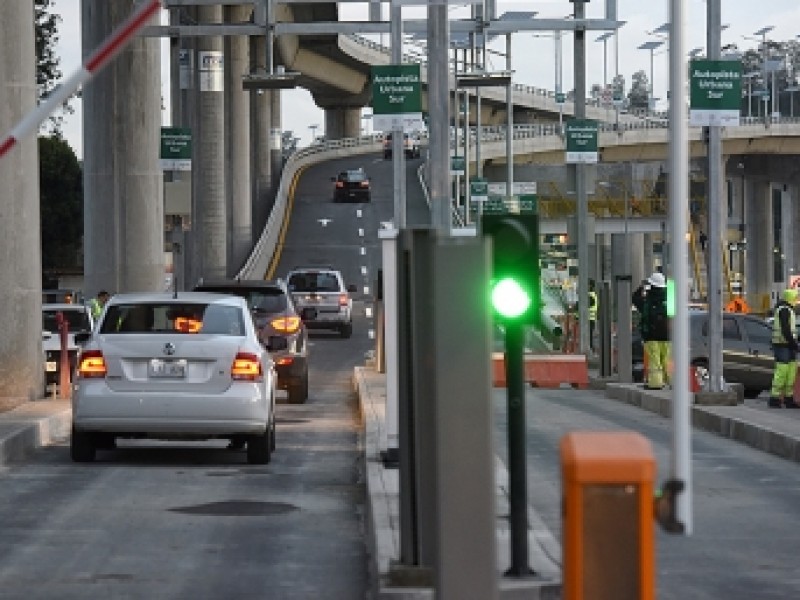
(651,301)
(784,347)
(592,312)
(97,303)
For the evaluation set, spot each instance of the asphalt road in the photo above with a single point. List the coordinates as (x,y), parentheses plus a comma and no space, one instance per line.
(746,502)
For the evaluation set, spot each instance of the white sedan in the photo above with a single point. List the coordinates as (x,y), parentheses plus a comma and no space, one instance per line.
(187,366)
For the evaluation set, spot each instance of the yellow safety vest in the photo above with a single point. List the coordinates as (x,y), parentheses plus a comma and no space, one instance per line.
(777,335)
(593,306)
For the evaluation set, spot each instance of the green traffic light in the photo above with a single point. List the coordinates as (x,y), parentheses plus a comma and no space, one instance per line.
(509,298)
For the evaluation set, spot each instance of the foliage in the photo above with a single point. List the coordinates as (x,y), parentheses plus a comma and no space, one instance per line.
(61,193)
(639,94)
(47,62)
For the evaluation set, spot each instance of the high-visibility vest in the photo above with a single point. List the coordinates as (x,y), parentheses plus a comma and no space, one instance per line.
(95,307)
(593,306)
(777,334)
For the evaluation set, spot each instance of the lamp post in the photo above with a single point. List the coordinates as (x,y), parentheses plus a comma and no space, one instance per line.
(313,129)
(763,33)
(604,38)
(652,45)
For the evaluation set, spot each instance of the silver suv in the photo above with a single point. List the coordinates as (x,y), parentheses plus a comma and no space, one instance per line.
(323,289)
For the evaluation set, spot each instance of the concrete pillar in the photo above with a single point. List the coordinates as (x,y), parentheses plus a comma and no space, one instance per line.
(260,124)
(758,232)
(794,217)
(211,245)
(788,236)
(123,184)
(342,123)
(237,142)
(21,369)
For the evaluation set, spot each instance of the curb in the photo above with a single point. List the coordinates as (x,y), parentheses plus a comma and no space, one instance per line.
(32,426)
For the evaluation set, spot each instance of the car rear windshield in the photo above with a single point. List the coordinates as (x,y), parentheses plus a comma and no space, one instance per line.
(266,300)
(353,176)
(313,281)
(77,320)
(173,318)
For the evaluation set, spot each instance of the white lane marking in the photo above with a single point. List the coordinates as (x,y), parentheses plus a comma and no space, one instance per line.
(358,213)
(363,251)
(366,290)
(368,311)
(324,222)
(360,232)
(371,334)
(363,270)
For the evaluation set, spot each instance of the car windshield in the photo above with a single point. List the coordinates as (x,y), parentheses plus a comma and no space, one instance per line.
(174,318)
(312,281)
(77,320)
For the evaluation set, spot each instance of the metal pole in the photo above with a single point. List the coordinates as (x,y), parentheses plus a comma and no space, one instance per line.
(517,476)
(438,96)
(580,186)
(398,151)
(716,222)
(509,124)
(679,193)
(605,65)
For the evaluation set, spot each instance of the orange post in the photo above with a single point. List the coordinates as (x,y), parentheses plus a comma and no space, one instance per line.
(609,533)
(64,384)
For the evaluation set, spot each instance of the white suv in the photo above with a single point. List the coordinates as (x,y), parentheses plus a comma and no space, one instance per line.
(323,289)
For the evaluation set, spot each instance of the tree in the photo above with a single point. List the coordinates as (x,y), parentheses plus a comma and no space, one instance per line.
(47,61)
(61,198)
(639,94)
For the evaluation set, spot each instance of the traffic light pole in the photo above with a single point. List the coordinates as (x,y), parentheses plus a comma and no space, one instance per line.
(517,468)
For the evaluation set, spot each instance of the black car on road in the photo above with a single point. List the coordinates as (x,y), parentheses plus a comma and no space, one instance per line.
(351,186)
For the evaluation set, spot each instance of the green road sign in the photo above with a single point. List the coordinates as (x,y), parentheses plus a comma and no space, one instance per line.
(458,165)
(396,98)
(581,141)
(560,97)
(715,92)
(478,189)
(176,149)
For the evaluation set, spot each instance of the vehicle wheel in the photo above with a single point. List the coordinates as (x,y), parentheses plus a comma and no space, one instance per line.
(272,436)
(81,446)
(346,330)
(298,392)
(259,448)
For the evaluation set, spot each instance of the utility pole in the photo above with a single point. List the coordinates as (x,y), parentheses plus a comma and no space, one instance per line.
(579,179)
(439,127)
(398,150)
(716,222)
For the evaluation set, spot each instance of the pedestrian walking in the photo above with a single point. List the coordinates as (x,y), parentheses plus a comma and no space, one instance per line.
(592,313)
(650,300)
(784,348)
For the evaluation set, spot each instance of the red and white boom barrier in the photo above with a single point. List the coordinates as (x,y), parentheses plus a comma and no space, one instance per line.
(96,61)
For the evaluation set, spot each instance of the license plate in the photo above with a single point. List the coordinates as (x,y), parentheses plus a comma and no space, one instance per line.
(167,369)
(51,366)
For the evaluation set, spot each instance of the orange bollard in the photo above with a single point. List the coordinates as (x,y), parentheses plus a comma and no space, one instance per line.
(64,384)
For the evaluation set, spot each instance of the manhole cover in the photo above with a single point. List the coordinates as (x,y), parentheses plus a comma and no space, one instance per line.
(237,508)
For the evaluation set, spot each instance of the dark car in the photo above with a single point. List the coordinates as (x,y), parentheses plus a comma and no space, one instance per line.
(351,186)
(746,350)
(275,314)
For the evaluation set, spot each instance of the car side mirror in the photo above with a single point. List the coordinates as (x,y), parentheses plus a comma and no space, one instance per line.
(308,314)
(352,288)
(82,337)
(276,342)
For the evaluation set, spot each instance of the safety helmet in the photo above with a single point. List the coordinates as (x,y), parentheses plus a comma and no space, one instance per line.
(790,295)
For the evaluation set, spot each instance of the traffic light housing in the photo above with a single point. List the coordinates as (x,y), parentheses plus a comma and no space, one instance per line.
(515,286)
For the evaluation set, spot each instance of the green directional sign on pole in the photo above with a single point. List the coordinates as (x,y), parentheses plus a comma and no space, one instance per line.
(560,97)
(458,165)
(176,149)
(715,92)
(396,98)
(478,189)
(581,141)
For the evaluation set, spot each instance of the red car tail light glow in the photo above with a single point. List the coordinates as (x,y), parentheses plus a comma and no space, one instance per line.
(286,324)
(343,299)
(246,367)
(284,360)
(92,365)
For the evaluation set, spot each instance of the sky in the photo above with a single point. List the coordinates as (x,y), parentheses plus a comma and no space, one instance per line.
(533,55)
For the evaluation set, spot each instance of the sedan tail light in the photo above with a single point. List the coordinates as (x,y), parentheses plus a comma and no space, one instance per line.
(246,367)
(92,365)
(364,184)
(340,184)
(286,324)
(343,299)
